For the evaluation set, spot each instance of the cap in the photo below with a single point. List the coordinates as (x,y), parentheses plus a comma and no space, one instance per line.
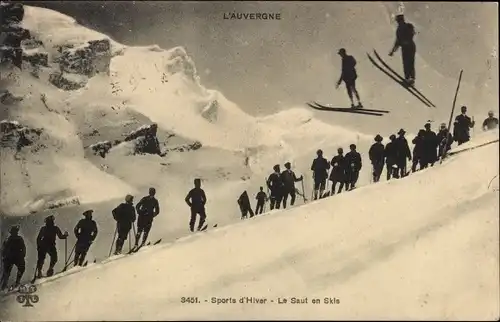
(401,131)
(378,138)
(287,164)
(88,212)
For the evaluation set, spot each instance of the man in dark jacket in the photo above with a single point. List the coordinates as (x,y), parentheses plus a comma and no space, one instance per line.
(349,76)
(418,150)
(461,127)
(275,185)
(245,207)
(261,198)
(319,167)
(85,232)
(46,244)
(445,140)
(491,122)
(377,158)
(289,178)
(147,208)
(13,253)
(338,173)
(404,39)
(354,165)
(390,154)
(430,147)
(125,216)
(403,153)
(196,200)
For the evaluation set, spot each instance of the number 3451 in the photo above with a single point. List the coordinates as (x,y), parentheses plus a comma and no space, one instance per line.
(190,300)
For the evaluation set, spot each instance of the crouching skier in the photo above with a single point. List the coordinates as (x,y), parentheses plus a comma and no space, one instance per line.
(13,253)
(85,233)
(124,215)
(46,244)
(245,207)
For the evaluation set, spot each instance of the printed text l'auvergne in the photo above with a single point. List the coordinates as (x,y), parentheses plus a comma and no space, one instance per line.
(252,16)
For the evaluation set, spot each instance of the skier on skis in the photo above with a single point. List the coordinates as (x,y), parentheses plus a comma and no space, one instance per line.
(46,244)
(404,39)
(402,153)
(354,165)
(349,76)
(125,216)
(275,185)
(320,167)
(85,232)
(461,127)
(13,253)
(376,154)
(261,198)
(390,154)
(445,140)
(196,200)
(418,150)
(430,145)
(147,208)
(490,123)
(289,178)
(245,207)
(338,173)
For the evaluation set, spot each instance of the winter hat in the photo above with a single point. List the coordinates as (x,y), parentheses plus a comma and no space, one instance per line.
(378,138)
(392,137)
(401,131)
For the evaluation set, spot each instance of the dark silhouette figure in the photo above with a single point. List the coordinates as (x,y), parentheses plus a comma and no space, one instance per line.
(404,39)
(275,185)
(461,127)
(430,146)
(349,76)
(391,157)
(289,178)
(125,216)
(196,200)
(147,208)
(418,150)
(377,157)
(445,140)
(320,167)
(13,254)
(261,198)
(491,122)
(245,207)
(402,152)
(46,244)
(338,173)
(85,233)
(354,165)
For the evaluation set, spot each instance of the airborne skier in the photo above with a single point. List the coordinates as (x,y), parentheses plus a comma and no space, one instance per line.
(147,208)
(13,253)
(46,244)
(404,39)
(349,76)
(85,232)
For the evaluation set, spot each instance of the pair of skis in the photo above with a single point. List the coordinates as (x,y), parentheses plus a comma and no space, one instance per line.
(135,249)
(399,79)
(353,110)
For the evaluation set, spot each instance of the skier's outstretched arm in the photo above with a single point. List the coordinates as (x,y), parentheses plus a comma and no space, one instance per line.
(60,234)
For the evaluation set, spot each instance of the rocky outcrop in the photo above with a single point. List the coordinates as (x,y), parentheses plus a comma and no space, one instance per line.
(92,58)
(210,112)
(7,98)
(11,13)
(68,82)
(101,148)
(187,147)
(14,135)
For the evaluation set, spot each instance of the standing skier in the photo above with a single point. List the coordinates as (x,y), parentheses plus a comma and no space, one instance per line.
(320,167)
(402,153)
(445,140)
(349,76)
(196,200)
(461,127)
(391,157)
(13,253)
(430,145)
(338,173)
(85,232)
(261,198)
(354,165)
(376,154)
(147,208)
(125,216)
(275,185)
(245,207)
(289,178)
(46,244)
(418,150)
(404,39)
(491,122)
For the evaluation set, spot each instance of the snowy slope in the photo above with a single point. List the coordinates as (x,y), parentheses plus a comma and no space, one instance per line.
(422,247)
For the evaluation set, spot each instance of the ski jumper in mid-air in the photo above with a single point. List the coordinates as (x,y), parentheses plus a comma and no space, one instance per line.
(349,76)
(404,39)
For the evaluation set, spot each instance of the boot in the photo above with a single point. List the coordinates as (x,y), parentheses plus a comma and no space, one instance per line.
(50,271)
(39,273)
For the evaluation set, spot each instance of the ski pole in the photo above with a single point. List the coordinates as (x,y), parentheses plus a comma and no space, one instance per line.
(129,240)
(113,242)
(451,115)
(66,264)
(65,250)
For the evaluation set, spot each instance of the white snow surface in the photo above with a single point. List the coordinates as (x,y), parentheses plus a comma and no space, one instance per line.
(422,247)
